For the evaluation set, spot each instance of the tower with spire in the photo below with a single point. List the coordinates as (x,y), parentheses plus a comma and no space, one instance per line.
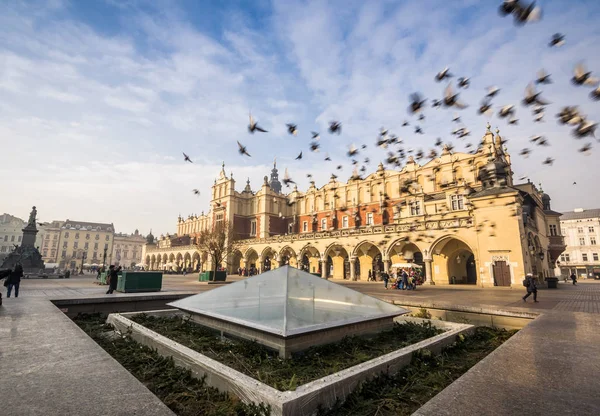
(274,182)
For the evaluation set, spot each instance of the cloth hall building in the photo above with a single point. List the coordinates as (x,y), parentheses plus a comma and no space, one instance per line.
(459,216)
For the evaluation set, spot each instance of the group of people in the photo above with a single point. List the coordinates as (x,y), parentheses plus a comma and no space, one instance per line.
(244,271)
(12,279)
(402,279)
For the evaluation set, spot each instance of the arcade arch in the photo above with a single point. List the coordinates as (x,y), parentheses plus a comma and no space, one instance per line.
(456,258)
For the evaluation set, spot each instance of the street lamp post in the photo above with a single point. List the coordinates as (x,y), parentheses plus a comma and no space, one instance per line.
(104,258)
(83,256)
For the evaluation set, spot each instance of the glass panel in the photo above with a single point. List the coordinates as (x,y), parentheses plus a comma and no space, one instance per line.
(287,301)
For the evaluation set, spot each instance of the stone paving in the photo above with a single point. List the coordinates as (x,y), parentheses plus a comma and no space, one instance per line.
(583,297)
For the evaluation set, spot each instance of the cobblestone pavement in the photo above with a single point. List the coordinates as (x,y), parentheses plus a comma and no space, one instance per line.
(583,297)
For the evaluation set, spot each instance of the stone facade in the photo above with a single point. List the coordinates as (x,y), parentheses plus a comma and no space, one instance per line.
(581,230)
(458,215)
(127,249)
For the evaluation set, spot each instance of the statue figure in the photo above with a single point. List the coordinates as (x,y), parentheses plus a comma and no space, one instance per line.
(32,217)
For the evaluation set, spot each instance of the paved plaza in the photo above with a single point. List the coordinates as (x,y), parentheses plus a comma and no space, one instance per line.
(584,297)
(50,366)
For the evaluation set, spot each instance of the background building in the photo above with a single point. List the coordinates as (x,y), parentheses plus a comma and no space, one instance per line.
(49,246)
(127,249)
(11,234)
(459,216)
(84,242)
(581,230)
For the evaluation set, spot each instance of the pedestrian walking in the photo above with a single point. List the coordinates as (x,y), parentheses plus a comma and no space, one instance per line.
(529,283)
(113,278)
(385,278)
(369,276)
(14,280)
(574,278)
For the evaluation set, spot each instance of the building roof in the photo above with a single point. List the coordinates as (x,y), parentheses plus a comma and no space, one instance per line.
(88,226)
(580,214)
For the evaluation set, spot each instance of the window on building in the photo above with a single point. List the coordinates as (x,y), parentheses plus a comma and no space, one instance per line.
(253,228)
(581,241)
(95,254)
(55,237)
(53,253)
(3,250)
(565,258)
(45,253)
(66,235)
(579,229)
(305,226)
(74,254)
(87,236)
(20,238)
(553,229)
(97,236)
(86,245)
(595,256)
(457,202)
(65,244)
(592,241)
(106,246)
(369,218)
(107,238)
(125,253)
(48,237)
(64,254)
(584,257)
(345,221)
(76,244)
(415,208)
(6,238)
(323,224)
(76,236)
(95,246)
(591,229)
(12,238)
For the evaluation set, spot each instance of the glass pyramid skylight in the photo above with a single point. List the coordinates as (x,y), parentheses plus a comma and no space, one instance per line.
(287,301)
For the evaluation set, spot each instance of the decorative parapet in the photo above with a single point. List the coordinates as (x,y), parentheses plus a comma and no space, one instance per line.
(465,222)
(168,249)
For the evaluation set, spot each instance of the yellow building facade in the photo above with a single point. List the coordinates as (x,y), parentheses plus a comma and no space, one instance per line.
(84,243)
(459,216)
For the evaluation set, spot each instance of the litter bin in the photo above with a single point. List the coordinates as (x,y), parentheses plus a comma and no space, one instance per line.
(552,282)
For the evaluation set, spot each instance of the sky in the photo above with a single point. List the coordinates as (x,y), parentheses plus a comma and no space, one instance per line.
(98,99)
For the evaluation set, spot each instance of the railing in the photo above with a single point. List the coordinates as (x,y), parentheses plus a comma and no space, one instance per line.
(556,240)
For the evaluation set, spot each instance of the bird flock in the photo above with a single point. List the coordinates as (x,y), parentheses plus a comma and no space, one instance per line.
(522,13)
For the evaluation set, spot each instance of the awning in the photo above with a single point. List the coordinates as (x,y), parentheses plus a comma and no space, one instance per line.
(406,265)
(50,265)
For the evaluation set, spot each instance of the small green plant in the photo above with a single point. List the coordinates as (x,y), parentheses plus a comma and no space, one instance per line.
(423,313)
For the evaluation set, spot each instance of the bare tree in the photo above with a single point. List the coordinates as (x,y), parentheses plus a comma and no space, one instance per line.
(218,242)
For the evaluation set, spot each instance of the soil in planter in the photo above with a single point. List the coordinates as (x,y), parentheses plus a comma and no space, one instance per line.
(173,385)
(427,375)
(264,364)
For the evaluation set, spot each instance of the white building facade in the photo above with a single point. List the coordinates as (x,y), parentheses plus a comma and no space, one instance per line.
(581,229)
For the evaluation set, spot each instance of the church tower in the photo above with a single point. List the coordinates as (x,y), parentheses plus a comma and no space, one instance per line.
(274,183)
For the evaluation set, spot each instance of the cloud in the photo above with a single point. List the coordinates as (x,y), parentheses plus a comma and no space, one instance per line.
(98,114)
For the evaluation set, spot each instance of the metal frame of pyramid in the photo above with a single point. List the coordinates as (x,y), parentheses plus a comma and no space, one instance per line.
(288,304)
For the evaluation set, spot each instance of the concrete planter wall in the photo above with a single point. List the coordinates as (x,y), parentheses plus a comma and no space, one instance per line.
(306,398)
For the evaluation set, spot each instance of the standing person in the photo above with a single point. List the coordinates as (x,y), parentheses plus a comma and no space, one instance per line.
(15,280)
(385,278)
(369,276)
(531,286)
(113,279)
(404,280)
(574,278)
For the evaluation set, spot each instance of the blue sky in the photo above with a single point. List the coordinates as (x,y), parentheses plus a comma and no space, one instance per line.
(101,97)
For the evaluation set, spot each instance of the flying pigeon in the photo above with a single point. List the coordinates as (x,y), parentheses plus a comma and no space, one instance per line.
(242,149)
(530,13)
(548,161)
(335,127)
(492,91)
(513,121)
(405,123)
(314,146)
(557,40)
(585,128)
(525,152)
(451,99)
(418,130)
(299,156)
(292,129)
(443,74)
(422,117)
(315,135)
(543,77)
(456,118)
(583,77)
(463,82)
(416,103)
(485,108)
(533,97)
(436,103)
(186,158)
(539,117)
(595,94)
(286,178)
(327,158)
(352,151)
(196,191)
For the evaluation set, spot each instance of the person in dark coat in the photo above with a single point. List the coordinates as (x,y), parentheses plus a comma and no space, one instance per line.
(14,280)
(531,288)
(574,278)
(113,273)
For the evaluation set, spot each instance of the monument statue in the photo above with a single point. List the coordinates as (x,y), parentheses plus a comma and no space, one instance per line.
(32,217)
(26,254)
